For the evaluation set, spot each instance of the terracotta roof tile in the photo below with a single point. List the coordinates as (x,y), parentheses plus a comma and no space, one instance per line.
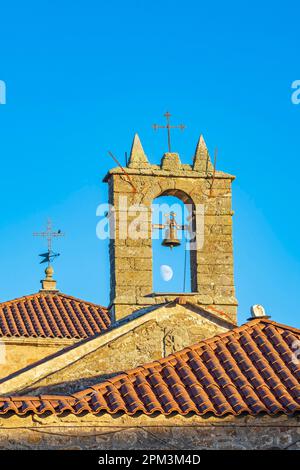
(247,370)
(52,315)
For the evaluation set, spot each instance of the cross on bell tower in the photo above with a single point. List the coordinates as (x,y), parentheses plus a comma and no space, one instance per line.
(168,126)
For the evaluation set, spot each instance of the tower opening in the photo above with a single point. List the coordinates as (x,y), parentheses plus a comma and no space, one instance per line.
(171,269)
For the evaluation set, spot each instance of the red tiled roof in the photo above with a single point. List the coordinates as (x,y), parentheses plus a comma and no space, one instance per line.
(247,370)
(52,315)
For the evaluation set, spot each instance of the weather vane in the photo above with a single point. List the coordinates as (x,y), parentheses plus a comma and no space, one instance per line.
(49,234)
(168,126)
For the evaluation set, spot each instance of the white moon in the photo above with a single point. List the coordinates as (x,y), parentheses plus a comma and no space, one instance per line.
(166,272)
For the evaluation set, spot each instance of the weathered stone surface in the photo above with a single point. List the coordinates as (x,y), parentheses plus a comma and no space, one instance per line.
(170,161)
(20,352)
(138,158)
(121,432)
(143,264)
(134,252)
(202,162)
(136,278)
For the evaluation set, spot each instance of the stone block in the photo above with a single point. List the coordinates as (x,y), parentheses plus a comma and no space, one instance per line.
(134,278)
(143,264)
(127,264)
(134,252)
(144,292)
(218,219)
(170,161)
(224,290)
(211,258)
(204,299)
(216,246)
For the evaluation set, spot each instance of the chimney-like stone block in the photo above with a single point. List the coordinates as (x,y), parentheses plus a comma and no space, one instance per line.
(170,162)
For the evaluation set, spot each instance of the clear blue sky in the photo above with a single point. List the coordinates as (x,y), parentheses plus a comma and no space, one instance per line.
(83,76)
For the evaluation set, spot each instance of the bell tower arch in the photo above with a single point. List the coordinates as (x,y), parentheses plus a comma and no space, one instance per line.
(208,192)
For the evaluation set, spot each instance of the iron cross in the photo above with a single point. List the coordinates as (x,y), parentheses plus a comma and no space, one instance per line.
(49,234)
(168,126)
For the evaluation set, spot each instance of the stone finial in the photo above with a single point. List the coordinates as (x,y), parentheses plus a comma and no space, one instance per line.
(170,161)
(202,162)
(48,284)
(138,158)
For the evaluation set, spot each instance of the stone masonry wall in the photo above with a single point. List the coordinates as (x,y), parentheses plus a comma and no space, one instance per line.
(154,433)
(20,352)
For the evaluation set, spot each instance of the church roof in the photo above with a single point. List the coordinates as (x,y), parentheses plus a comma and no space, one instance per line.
(247,370)
(52,315)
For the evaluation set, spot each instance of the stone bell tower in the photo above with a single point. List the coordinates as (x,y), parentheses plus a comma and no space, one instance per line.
(209,193)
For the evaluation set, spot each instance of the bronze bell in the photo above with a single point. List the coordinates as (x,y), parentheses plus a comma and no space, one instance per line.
(171,239)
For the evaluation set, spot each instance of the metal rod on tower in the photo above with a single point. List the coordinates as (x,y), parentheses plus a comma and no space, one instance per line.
(129,179)
(214,172)
(185,266)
